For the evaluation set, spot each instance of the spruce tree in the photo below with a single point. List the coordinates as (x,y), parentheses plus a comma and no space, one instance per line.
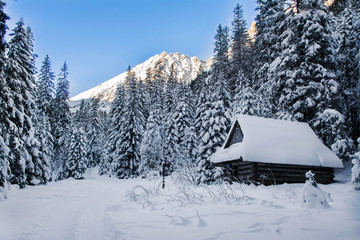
(20,71)
(170,99)
(94,151)
(132,130)
(151,150)
(240,49)
(4,96)
(217,111)
(45,87)
(43,163)
(111,162)
(270,26)
(76,161)
(183,120)
(332,130)
(306,68)
(348,68)
(60,124)
(246,101)
(44,100)
(81,117)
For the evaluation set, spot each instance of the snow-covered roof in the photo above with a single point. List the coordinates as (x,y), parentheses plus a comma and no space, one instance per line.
(277,141)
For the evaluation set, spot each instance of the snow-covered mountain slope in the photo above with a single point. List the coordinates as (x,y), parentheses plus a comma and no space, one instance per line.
(186,68)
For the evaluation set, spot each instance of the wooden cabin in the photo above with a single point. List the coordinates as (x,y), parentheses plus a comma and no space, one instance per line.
(269,151)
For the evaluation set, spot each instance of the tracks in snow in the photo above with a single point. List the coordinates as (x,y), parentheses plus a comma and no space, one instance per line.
(56,214)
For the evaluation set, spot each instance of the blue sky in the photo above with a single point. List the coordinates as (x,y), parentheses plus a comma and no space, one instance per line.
(99,39)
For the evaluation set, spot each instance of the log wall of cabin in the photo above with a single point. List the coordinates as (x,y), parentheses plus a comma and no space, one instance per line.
(266,173)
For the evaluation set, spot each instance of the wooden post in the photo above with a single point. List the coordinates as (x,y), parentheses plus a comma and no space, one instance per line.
(163,173)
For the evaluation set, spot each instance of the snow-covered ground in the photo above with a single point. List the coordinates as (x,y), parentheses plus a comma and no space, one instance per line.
(108,208)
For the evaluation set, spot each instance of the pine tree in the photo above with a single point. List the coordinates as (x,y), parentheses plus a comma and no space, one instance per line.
(132,130)
(215,112)
(45,87)
(20,71)
(141,88)
(32,145)
(201,104)
(151,150)
(105,161)
(332,130)
(81,117)
(348,67)
(246,101)
(60,124)
(111,162)
(212,135)
(218,79)
(94,151)
(170,131)
(4,96)
(44,100)
(221,45)
(240,49)
(270,26)
(169,99)
(185,140)
(43,163)
(306,68)
(76,163)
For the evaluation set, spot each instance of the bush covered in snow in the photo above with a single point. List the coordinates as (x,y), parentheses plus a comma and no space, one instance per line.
(355,170)
(3,193)
(313,196)
(185,193)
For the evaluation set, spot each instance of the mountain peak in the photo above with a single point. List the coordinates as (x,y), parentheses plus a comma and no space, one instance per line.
(186,68)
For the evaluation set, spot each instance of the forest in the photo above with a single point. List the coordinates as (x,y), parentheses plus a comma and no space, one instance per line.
(303,64)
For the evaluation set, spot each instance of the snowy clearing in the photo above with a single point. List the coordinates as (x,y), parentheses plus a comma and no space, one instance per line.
(108,208)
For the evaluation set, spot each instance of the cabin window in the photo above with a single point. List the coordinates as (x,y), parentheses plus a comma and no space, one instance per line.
(236,135)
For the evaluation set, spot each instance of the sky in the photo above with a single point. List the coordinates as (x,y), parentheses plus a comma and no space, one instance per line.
(100,39)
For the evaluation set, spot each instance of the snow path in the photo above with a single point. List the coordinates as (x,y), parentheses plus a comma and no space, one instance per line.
(104,208)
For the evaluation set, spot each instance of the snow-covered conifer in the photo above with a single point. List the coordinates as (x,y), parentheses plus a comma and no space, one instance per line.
(132,131)
(348,68)
(331,127)
(76,161)
(43,161)
(45,87)
(213,131)
(268,46)
(60,123)
(94,150)
(182,120)
(4,96)
(246,101)
(115,122)
(151,150)
(241,57)
(306,68)
(20,71)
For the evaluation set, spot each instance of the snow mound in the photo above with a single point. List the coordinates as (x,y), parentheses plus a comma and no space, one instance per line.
(313,196)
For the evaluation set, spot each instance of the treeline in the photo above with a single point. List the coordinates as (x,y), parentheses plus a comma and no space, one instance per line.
(34,115)
(302,65)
